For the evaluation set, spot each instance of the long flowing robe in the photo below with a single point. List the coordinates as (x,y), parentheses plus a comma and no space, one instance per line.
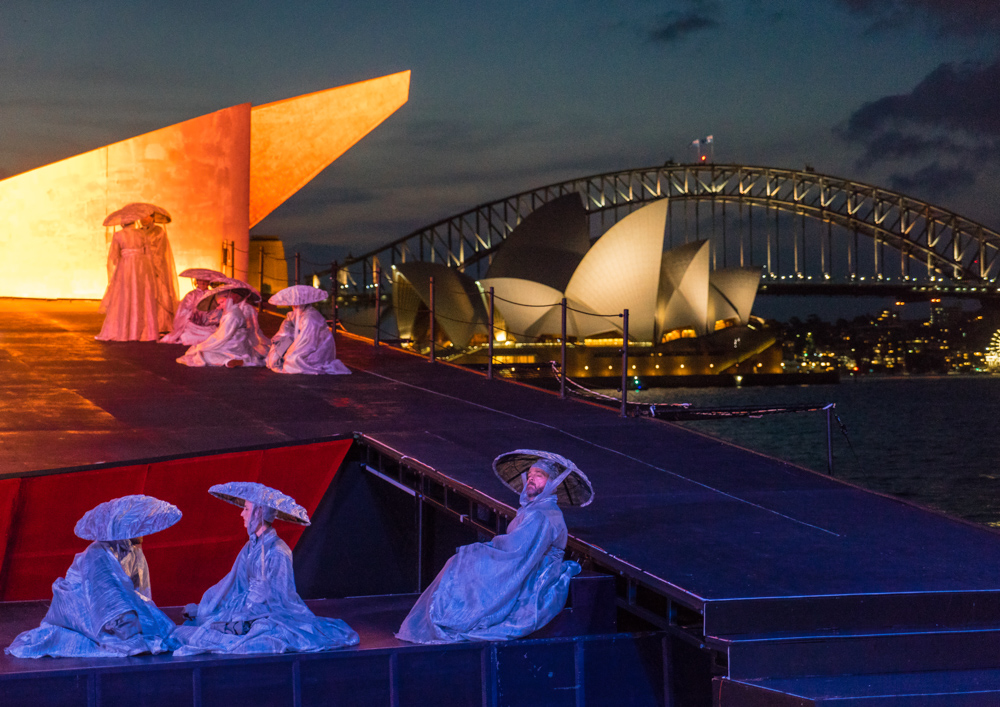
(238,337)
(192,326)
(106,584)
(506,588)
(130,300)
(162,258)
(304,344)
(255,609)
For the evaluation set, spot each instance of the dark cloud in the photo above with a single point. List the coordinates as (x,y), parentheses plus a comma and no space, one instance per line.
(938,136)
(690,17)
(955,17)
(934,181)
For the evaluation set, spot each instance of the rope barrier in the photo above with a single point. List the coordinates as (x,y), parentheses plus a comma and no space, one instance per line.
(522,304)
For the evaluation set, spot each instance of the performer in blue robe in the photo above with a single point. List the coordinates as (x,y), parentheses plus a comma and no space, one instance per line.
(514,584)
(103,606)
(255,608)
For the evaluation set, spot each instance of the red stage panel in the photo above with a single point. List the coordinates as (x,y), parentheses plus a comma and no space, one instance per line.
(42,543)
(285,469)
(184,560)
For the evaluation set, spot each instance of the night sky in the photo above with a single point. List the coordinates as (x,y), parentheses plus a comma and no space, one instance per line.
(509,96)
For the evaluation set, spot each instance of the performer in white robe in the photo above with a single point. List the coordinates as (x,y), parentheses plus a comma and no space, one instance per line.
(191,325)
(103,606)
(255,608)
(237,341)
(514,584)
(130,301)
(304,344)
(162,258)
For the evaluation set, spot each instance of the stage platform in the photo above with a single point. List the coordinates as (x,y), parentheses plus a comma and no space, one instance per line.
(752,557)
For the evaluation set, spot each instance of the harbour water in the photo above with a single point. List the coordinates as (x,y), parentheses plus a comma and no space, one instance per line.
(929,440)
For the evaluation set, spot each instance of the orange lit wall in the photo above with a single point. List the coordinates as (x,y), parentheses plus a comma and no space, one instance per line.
(217,175)
(51,237)
(295,139)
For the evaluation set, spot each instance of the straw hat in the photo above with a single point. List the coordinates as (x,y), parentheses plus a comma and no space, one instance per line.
(575,489)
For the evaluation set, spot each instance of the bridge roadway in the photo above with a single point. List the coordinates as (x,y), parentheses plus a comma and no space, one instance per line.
(723,526)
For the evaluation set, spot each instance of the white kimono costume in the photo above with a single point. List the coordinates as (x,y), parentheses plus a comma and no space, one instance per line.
(192,326)
(255,609)
(162,258)
(130,301)
(304,344)
(238,337)
(107,584)
(503,589)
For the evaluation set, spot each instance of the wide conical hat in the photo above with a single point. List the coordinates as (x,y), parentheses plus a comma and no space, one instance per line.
(298,295)
(575,489)
(204,274)
(237,492)
(127,517)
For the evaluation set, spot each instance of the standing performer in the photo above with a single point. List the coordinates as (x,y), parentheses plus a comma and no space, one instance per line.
(103,606)
(129,302)
(518,582)
(162,258)
(304,343)
(255,608)
(238,340)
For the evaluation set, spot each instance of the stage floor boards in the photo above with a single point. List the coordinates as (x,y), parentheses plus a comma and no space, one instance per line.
(716,521)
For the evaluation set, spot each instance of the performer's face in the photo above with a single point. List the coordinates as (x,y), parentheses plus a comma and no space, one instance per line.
(201,284)
(247,510)
(535,482)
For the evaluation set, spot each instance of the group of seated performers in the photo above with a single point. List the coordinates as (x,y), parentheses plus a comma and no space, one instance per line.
(303,344)
(498,590)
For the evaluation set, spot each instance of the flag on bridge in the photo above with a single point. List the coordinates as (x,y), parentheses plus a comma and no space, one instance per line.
(703,141)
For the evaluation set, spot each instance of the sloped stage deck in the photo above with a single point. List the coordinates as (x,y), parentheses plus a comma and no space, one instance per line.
(747,557)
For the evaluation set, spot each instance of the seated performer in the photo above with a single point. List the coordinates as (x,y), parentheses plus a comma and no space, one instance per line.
(518,582)
(238,340)
(103,607)
(304,343)
(255,608)
(192,325)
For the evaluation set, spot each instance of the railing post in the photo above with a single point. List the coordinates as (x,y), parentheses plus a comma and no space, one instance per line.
(433,332)
(260,279)
(829,440)
(489,367)
(298,267)
(562,364)
(624,361)
(232,259)
(378,304)
(225,255)
(334,287)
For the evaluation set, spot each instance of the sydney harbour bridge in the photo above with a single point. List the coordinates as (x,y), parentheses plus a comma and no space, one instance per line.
(809,233)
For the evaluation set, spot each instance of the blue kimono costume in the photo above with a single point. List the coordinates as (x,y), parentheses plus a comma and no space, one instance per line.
(255,609)
(101,608)
(503,589)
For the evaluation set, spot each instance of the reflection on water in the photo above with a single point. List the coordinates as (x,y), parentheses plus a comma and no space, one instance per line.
(933,441)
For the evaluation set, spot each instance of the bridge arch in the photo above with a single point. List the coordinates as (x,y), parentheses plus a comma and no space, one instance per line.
(810,227)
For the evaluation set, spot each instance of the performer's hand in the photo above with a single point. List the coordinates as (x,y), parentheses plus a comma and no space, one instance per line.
(124,626)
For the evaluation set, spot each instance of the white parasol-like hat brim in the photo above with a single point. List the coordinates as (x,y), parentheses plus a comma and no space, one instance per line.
(575,489)
(298,295)
(238,492)
(127,517)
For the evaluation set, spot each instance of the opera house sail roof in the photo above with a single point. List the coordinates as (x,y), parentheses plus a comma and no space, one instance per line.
(670,294)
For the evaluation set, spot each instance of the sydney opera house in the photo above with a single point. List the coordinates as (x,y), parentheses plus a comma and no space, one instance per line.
(684,319)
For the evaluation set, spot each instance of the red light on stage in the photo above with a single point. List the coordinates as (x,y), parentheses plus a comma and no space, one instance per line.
(704,158)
